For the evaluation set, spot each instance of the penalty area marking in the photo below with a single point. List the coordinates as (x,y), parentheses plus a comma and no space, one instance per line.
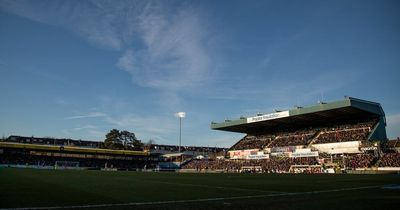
(195,200)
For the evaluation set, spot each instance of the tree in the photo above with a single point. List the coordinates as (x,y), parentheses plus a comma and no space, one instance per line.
(113,140)
(130,141)
(116,139)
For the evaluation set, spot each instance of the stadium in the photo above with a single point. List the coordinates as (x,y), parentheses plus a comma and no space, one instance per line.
(341,135)
(330,152)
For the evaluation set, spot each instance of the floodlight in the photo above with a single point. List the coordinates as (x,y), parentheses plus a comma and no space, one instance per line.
(180,114)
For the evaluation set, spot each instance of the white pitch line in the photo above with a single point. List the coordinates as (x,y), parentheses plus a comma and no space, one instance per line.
(195,200)
(219,187)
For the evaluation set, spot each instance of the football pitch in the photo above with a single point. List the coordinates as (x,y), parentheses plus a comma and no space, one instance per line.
(75,189)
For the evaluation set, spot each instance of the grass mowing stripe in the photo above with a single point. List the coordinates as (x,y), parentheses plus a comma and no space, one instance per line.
(196,200)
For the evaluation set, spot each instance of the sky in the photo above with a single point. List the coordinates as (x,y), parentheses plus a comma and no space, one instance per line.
(77,69)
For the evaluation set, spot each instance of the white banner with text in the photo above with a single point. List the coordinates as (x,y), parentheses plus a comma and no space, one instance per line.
(268,117)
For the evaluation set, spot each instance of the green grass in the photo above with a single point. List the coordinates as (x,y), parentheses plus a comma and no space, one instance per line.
(44,188)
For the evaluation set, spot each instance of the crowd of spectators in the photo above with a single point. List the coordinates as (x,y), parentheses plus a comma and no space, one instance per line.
(393,143)
(175,148)
(90,163)
(328,134)
(294,138)
(390,160)
(355,134)
(359,161)
(281,139)
(346,132)
(391,146)
(271,165)
(94,144)
(252,142)
(283,164)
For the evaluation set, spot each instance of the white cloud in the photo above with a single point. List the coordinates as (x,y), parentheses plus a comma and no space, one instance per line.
(143,125)
(85,127)
(86,18)
(87,115)
(278,91)
(173,55)
(126,61)
(86,132)
(163,47)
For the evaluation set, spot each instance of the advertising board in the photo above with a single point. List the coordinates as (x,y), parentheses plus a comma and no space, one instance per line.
(268,117)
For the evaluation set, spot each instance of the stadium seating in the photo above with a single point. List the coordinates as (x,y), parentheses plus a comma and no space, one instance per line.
(345,132)
(272,165)
(390,160)
(391,146)
(359,161)
(252,142)
(54,141)
(340,132)
(275,144)
(91,163)
(175,148)
(302,137)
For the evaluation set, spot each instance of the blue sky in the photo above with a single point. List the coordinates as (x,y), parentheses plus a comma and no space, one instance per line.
(77,69)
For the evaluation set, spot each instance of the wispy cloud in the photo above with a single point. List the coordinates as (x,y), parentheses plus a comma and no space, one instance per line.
(85,127)
(87,115)
(93,20)
(173,55)
(145,127)
(278,90)
(155,127)
(88,132)
(162,47)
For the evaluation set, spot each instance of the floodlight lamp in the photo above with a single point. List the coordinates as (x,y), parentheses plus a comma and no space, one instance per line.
(180,114)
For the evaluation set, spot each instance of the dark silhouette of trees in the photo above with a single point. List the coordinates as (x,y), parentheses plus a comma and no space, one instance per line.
(116,139)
